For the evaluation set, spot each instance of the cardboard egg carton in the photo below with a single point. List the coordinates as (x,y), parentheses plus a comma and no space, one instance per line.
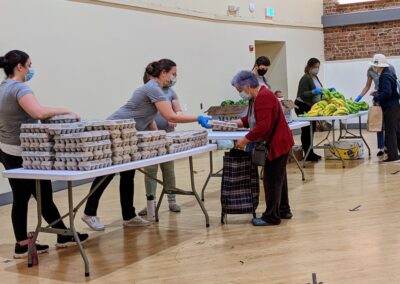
(134,149)
(66,118)
(74,156)
(179,137)
(107,153)
(116,133)
(117,151)
(33,128)
(37,156)
(93,146)
(147,136)
(36,146)
(162,151)
(35,137)
(223,125)
(38,165)
(128,133)
(126,158)
(94,165)
(88,136)
(133,140)
(127,150)
(153,153)
(65,128)
(145,154)
(117,160)
(116,142)
(125,142)
(60,165)
(136,156)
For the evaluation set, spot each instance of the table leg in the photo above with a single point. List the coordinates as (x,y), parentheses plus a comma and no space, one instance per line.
(298,165)
(311,144)
(333,142)
(159,203)
(195,193)
(208,177)
(362,137)
(39,223)
(72,225)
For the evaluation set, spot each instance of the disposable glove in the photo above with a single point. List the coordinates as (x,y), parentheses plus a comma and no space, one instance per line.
(203,121)
(357,99)
(317,91)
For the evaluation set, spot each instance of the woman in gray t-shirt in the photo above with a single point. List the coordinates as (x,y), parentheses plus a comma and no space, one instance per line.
(143,106)
(19,105)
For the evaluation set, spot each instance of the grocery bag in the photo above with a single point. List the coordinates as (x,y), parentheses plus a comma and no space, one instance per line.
(375,118)
(240,184)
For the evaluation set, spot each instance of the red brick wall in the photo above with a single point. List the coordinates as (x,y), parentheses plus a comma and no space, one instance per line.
(364,40)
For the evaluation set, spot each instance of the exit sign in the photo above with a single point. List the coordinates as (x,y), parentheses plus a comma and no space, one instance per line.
(269,12)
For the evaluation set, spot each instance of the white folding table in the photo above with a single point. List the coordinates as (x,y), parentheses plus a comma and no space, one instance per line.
(70,176)
(347,134)
(237,135)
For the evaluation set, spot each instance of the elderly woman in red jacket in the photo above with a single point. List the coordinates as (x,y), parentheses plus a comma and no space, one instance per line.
(267,113)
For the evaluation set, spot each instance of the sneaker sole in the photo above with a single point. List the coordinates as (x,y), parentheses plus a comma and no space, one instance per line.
(93,228)
(25,255)
(137,225)
(68,244)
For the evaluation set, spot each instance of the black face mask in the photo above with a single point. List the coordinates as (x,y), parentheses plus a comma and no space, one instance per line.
(262,72)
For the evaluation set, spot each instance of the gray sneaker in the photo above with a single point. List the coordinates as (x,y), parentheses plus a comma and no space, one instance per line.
(173,207)
(136,222)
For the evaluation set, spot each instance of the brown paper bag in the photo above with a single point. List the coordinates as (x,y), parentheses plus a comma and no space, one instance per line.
(375,118)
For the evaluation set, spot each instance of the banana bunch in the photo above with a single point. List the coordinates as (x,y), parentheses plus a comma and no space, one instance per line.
(328,95)
(337,102)
(341,111)
(316,109)
(329,110)
(355,107)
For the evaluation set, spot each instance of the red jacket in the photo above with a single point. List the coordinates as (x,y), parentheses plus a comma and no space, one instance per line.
(266,108)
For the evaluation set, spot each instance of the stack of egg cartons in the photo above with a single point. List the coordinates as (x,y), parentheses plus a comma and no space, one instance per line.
(78,148)
(223,125)
(152,143)
(123,139)
(37,147)
(184,140)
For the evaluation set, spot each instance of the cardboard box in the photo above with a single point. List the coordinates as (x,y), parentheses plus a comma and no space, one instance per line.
(349,150)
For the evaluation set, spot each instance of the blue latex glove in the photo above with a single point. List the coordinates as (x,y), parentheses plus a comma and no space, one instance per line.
(203,121)
(332,90)
(357,99)
(317,91)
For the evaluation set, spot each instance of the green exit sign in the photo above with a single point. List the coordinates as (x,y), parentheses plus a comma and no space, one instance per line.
(270,12)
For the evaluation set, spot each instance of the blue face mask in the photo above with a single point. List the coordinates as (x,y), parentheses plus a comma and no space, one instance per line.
(30,74)
(244,96)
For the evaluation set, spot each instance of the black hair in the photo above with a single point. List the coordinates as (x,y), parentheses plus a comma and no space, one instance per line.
(262,60)
(155,68)
(310,63)
(12,59)
(148,70)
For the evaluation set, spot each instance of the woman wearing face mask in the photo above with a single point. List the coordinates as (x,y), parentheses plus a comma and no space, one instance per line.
(143,106)
(19,105)
(167,169)
(260,68)
(309,92)
(269,118)
(373,76)
(387,97)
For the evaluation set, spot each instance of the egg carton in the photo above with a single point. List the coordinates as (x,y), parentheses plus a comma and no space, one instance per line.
(118,151)
(74,156)
(37,156)
(117,160)
(136,156)
(125,142)
(134,149)
(36,146)
(46,165)
(92,146)
(71,166)
(126,158)
(65,128)
(59,146)
(223,125)
(60,165)
(107,153)
(93,165)
(145,146)
(27,164)
(153,153)
(98,154)
(65,118)
(178,137)
(144,136)
(168,141)
(33,128)
(35,137)
(116,133)
(145,154)
(162,151)
(116,142)
(127,133)
(128,123)
(82,137)
(133,140)
(32,165)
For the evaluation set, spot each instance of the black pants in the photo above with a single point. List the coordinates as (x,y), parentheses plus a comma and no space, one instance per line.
(391,119)
(305,131)
(126,192)
(22,190)
(276,189)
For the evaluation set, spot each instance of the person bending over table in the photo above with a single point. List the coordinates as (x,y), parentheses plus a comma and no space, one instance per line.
(309,92)
(267,113)
(19,105)
(143,106)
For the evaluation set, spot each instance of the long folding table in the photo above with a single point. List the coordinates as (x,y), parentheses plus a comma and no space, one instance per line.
(70,176)
(237,135)
(342,128)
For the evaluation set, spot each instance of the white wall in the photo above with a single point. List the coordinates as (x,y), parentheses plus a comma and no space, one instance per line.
(90,58)
(349,76)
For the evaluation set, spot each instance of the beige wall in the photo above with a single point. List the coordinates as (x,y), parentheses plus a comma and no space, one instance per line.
(90,58)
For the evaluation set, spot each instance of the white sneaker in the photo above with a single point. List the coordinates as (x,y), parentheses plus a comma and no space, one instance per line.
(93,222)
(135,222)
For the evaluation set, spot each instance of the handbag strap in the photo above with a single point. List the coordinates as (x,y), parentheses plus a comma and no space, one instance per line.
(275,125)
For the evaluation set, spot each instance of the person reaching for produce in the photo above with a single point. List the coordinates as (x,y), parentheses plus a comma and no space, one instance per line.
(19,105)
(387,97)
(143,106)
(373,76)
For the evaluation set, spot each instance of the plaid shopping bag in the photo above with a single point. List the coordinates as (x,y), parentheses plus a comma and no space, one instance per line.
(240,184)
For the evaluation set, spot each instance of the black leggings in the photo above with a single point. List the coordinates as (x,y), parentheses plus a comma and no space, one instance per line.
(22,190)
(305,131)
(126,192)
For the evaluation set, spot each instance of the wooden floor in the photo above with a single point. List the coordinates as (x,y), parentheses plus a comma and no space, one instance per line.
(324,237)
